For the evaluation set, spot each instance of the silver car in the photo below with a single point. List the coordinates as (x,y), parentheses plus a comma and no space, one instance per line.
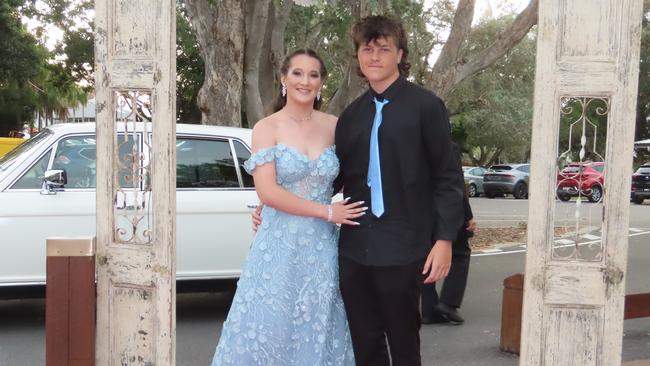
(474,180)
(507,179)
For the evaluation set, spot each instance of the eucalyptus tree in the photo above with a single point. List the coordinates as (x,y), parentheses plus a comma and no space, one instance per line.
(491,111)
(242,43)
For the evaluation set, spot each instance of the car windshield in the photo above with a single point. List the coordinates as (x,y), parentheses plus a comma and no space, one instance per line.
(644,169)
(500,168)
(28,145)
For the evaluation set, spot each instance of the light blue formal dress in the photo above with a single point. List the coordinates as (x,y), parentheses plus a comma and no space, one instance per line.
(287,310)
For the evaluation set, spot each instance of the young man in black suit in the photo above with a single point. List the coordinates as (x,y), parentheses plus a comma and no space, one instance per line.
(394,147)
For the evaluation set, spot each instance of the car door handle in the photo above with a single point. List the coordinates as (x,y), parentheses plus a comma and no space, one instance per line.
(252,205)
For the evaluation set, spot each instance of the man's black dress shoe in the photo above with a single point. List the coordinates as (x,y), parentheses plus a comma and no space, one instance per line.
(435,318)
(449,312)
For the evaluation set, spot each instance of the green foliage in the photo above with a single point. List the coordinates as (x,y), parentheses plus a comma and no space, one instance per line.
(21,61)
(17,104)
(190,70)
(30,79)
(492,110)
(21,55)
(77,52)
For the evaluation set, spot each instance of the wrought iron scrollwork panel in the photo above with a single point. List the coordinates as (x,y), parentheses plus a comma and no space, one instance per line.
(132,169)
(580,182)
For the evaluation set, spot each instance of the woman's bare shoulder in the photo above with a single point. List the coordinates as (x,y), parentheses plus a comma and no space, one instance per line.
(264,132)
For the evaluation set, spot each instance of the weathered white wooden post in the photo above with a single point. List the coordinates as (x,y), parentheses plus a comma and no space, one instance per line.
(587,72)
(135,52)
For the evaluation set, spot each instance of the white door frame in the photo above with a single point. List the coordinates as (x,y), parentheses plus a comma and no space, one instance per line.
(574,297)
(135,76)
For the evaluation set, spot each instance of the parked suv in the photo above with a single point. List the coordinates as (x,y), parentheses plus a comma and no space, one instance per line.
(581,179)
(641,184)
(507,179)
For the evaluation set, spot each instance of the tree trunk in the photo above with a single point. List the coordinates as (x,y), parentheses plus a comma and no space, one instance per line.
(273,54)
(256,21)
(450,68)
(504,43)
(352,84)
(220,33)
(446,67)
(351,87)
(267,69)
(495,155)
(383,6)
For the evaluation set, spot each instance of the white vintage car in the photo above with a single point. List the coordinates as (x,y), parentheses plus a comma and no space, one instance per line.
(214,198)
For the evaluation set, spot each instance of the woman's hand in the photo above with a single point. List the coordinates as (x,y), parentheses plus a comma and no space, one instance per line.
(256,216)
(343,212)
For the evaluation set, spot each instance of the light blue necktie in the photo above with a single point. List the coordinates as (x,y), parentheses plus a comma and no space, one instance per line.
(374,168)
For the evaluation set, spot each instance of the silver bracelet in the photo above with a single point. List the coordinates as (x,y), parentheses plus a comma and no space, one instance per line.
(329,213)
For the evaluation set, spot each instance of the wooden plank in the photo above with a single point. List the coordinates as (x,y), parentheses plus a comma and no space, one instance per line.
(511,308)
(637,306)
(57,334)
(82,311)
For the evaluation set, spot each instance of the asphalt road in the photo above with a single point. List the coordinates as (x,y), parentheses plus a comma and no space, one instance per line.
(199,319)
(498,212)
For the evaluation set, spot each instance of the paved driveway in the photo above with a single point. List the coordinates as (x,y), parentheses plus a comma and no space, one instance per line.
(475,343)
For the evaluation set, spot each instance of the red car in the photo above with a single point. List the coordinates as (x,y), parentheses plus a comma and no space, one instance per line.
(584,179)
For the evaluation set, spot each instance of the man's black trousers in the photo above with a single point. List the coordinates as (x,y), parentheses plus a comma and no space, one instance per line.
(382,303)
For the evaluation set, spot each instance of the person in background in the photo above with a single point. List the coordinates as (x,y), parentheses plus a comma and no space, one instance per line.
(444,308)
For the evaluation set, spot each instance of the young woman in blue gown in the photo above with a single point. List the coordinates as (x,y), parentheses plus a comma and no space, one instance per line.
(287,310)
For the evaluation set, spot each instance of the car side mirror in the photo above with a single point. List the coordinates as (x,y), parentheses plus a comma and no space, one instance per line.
(53,180)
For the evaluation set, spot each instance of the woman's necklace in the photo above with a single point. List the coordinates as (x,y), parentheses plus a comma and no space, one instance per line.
(301,119)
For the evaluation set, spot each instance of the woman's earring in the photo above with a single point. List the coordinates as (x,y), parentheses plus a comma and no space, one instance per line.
(318,95)
(284,90)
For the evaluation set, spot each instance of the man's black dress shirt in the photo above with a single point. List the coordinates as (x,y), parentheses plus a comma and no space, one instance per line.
(421,187)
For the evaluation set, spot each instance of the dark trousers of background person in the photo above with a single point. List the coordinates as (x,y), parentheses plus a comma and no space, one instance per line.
(453,287)
(382,303)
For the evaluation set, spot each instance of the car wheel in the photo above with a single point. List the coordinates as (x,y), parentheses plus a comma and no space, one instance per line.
(520,190)
(563,197)
(596,194)
(471,190)
(638,200)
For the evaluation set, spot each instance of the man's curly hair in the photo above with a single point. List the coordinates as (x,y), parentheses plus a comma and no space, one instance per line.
(373,27)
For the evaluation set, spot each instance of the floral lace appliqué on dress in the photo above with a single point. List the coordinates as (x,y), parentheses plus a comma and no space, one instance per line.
(288,310)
